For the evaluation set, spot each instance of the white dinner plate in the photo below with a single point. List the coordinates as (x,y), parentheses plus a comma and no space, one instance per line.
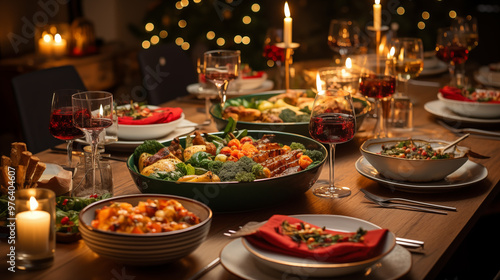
(439,68)
(485,77)
(200,92)
(313,268)
(184,127)
(238,261)
(466,175)
(438,108)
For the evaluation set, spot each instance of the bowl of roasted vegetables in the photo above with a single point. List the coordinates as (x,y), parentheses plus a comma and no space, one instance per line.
(140,122)
(145,229)
(413,160)
(277,111)
(235,170)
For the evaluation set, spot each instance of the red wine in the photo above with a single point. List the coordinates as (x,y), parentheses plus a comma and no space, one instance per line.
(455,53)
(332,128)
(220,77)
(61,124)
(377,86)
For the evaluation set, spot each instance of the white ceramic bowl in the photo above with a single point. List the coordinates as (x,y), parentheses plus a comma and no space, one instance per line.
(309,267)
(472,109)
(247,83)
(147,131)
(411,170)
(145,249)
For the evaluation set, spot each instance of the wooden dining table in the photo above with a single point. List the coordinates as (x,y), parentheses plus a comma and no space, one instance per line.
(442,234)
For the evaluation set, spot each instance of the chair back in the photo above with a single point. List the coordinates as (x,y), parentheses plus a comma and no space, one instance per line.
(166,72)
(33,94)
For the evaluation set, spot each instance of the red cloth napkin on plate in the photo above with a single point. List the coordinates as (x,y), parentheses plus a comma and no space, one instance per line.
(453,93)
(267,238)
(160,115)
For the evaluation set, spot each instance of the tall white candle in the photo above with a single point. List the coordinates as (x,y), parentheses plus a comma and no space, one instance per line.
(33,229)
(287,27)
(377,15)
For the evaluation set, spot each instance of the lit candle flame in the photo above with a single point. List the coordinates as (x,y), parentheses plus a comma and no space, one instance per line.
(318,84)
(287,10)
(348,63)
(33,203)
(57,38)
(101,112)
(391,53)
(47,38)
(377,2)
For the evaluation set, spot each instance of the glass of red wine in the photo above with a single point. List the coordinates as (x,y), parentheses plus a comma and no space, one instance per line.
(452,48)
(332,122)
(380,87)
(221,67)
(61,120)
(92,113)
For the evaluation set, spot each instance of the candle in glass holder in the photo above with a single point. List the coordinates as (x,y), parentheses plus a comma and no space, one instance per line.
(287,27)
(33,228)
(45,45)
(59,46)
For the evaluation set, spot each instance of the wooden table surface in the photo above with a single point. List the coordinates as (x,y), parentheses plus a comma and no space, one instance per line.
(442,234)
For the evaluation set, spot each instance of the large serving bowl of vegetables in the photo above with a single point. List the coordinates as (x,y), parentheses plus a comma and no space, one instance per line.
(230,171)
(277,111)
(413,160)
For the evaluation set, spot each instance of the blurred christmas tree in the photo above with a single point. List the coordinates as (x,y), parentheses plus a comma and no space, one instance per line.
(200,25)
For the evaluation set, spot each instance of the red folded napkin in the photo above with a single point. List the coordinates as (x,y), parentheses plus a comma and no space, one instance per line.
(269,238)
(453,93)
(160,115)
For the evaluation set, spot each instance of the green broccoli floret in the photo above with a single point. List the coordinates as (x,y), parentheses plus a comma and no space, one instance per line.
(215,166)
(240,170)
(149,146)
(315,155)
(297,146)
(303,118)
(288,115)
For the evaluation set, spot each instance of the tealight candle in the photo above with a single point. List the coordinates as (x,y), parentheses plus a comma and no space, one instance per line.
(59,46)
(45,45)
(287,27)
(33,229)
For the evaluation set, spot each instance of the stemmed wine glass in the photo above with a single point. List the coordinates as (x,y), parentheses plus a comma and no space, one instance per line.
(221,67)
(451,47)
(332,122)
(467,25)
(92,113)
(406,61)
(61,120)
(343,37)
(380,87)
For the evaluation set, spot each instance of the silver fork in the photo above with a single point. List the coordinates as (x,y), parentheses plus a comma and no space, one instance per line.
(469,130)
(377,198)
(400,205)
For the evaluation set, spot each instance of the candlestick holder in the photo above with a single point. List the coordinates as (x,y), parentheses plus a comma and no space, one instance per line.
(288,58)
(378,38)
(35,228)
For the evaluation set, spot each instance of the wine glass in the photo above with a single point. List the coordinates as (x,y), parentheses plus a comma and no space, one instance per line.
(451,47)
(221,67)
(332,122)
(61,120)
(92,113)
(380,87)
(343,37)
(467,25)
(406,60)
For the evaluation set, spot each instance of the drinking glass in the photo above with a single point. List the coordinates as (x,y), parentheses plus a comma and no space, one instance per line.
(380,87)
(406,61)
(451,47)
(61,120)
(92,113)
(343,37)
(467,25)
(332,122)
(221,67)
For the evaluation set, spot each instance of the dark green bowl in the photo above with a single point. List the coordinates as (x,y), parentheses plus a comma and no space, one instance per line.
(235,196)
(361,104)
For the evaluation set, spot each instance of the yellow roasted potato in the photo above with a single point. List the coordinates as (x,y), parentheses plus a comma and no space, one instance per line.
(207,177)
(166,164)
(190,151)
(142,160)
